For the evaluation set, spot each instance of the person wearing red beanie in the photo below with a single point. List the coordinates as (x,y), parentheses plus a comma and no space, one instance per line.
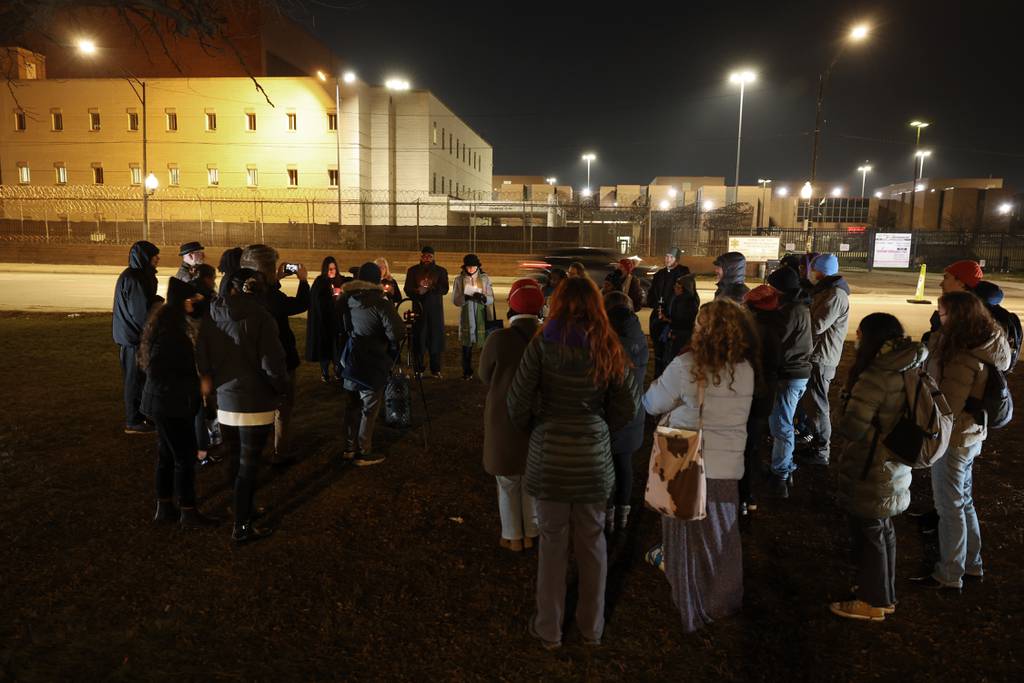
(961,275)
(505,446)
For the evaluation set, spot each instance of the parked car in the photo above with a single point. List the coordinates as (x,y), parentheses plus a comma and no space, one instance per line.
(598,262)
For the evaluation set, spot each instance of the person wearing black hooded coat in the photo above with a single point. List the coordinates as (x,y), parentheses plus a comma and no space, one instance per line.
(171,399)
(322,321)
(731,268)
(660,299)
(134,296)
(627,440)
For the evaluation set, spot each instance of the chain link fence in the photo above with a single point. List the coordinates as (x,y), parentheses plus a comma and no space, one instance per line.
(309,219)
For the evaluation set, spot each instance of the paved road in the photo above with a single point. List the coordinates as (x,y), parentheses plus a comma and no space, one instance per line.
(90,288)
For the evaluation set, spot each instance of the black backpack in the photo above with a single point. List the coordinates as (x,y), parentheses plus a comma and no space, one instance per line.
(996,401)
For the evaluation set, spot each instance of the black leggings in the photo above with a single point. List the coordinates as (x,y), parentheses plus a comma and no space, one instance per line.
(623,463)
(245,444)
(176,460)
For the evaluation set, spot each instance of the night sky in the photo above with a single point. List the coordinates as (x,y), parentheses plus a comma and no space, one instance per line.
(650,95)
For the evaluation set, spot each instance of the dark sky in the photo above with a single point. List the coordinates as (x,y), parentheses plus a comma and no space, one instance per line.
(650,93)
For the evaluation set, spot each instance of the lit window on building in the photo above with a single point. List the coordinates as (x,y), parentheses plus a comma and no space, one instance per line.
(172,121)
(332,120)
(332,177)
(293,177)
(833,210)
(24,175)
(94,120)
(173,175)
(56,120)
(250,121)
(133,120)
(293,121)
(97,175)
(136,172)
(211,120)
(60,173)
(251,177)
(20,121)
(212,176)
(30,71)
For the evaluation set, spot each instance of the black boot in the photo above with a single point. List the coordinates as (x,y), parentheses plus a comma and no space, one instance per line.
(247,533)
(165,511)
(194,519)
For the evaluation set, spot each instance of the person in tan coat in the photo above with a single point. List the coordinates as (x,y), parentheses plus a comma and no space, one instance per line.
(505,445)
(961,353)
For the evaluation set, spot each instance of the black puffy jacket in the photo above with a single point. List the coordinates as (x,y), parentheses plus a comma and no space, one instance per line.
(135,294)
(376,330)
(795,336)
(634,343)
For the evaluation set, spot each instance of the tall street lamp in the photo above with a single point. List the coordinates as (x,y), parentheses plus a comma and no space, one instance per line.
(857,34)
(764,183)
(349,78)
(87,48)
(922,155)
(805,193)
(742,78)
(589,157)
(863,177)
(918,125)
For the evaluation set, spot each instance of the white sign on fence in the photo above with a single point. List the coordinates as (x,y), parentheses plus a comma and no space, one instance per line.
(844,247)
(892,249)
(790,246)
(755,248)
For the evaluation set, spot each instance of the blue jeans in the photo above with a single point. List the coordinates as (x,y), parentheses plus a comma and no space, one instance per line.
(959,533)
(781,424)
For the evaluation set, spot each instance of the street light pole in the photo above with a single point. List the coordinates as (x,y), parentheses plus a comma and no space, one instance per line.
(856,34)
(917,151)
(863,177)
(589,157)
(337,140)
(741,77)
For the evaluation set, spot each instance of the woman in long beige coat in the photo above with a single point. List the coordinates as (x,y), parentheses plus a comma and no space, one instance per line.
(505,445)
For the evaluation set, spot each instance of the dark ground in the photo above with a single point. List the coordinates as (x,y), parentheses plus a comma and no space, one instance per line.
(394,572)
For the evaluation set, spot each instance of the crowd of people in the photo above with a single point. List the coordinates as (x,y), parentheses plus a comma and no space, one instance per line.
(566,405)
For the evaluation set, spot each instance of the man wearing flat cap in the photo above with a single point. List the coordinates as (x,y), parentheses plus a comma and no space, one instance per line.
(192,256)
(426,283)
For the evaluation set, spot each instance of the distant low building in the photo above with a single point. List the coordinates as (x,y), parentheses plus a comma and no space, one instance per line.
(947,205)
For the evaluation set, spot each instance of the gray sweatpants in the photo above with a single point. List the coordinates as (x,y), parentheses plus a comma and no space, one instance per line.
(587,522)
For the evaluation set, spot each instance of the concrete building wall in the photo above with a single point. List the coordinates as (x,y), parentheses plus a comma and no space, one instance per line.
(463,158)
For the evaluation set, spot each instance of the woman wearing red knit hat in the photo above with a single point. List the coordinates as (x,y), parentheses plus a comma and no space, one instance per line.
(505,445)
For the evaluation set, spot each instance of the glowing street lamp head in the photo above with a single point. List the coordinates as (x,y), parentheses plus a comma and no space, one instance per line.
(321,75)
(1005,208)
(919,187)
(919,124)
(398,84)
(837,192)
(86,46)
(152,183)
(745,76)
(589,156)
(865,168)
(806,191)
(708,205)
(349,77)
(551,181)
(923,153)
(585,192)
(782,191)
(663,205)
(859,32)
(672,192)
(878,194)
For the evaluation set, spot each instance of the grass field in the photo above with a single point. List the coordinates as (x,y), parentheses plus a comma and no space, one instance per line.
(394,572)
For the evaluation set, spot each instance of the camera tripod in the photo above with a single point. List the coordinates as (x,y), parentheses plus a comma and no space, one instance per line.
(410,318)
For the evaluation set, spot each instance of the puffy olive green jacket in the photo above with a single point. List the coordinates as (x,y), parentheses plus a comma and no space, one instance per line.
(881,488)
(569,419)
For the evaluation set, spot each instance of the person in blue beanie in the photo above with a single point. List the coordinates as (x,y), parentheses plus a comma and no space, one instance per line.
(830,319)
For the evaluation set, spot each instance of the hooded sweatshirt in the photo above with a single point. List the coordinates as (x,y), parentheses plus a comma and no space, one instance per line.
(830,319)
(634,342)
(135,294)
(734,273)
(240,349)
(795,332)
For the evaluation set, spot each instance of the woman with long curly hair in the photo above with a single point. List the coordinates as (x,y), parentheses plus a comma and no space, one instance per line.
(961,352)
(571,390)
(709,385)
